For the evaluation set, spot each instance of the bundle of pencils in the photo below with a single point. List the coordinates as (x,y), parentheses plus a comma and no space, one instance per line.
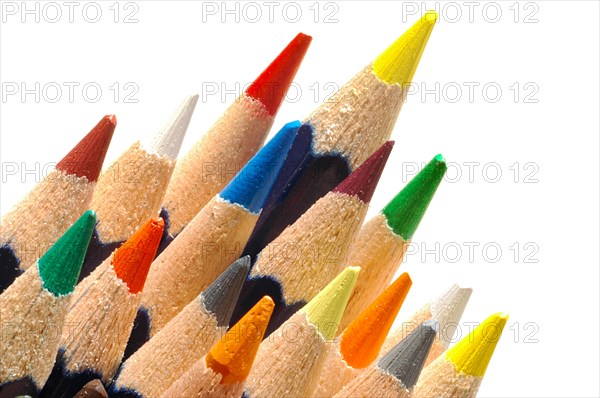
(230,272)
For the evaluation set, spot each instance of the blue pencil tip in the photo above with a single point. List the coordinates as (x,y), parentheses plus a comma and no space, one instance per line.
(251,186)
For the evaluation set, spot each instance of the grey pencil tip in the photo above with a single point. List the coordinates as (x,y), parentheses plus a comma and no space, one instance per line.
(220,297)
(405,361)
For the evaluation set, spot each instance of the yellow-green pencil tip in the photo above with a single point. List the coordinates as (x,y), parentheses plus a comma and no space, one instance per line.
(472,354)
(398,63)
(325,310)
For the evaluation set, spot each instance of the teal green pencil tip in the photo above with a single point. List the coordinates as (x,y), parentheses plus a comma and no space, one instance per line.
(60,266)
(406,210)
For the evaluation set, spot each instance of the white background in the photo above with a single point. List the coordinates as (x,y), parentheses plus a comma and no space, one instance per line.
(548,210)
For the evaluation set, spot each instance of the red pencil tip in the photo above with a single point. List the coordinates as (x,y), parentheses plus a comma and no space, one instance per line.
(362,181)
(132,260)
(86,158)
(272,85)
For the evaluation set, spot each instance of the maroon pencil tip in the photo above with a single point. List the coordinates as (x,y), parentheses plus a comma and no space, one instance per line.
(272,85)
(362,181)
(86,158)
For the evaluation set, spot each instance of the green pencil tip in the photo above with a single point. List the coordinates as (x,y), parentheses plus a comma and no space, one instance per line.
(406,210)
(60,266)
(325,310)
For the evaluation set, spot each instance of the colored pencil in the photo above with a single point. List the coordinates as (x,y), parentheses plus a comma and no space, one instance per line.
(102,312)
(308,254)
(459,373)
(93,389)
(223,371)
(33,225)
(384,239)
(235,137)
(342,133)
(131,190)
(288,363)
(360,343)
(446,309)
(173,350)
(398,371)
(35,306)
(210,242)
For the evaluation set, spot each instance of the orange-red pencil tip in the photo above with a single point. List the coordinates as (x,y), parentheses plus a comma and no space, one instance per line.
(234,354)
(132,260)
(363,181)
(272,85)
(363,338)
(86,158)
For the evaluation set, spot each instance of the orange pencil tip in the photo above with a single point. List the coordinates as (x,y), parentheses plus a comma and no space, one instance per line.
(272,85)
(363,338)
(234,354)
(132,260)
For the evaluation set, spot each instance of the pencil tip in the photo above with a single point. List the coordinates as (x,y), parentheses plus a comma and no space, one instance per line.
(399,62)
(132,260)
(251,186)
(405,212)
(272,84)
(234,354)
(363,338)
(325,310)
(406,360)
(59,268)
(93,389)
(472,354)
(167,140)
(87,157)
(363,181)
(221,296)
(448,309)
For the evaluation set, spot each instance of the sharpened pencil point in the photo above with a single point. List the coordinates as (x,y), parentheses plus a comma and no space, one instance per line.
(399,62)
(405,212)
(363,181)
(472,354)
(221,297)
(251,186)
(272,85)
(87,157)
(132,260)
(363,338)
(448,309)
(325,310)
(234,354)
(167,140)
(59,268)
(405,361)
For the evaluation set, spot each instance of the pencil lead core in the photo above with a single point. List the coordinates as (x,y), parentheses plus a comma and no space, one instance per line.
(132,260)
(325,310)
(399,62)
(405,212)
(87,157)
(59,268)
(363,338)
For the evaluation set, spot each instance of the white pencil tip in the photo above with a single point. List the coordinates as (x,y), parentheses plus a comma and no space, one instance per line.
(167,140)
(448,309)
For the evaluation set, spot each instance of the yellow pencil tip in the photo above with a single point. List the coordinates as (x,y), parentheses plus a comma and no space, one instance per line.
(325,310)
(472,354)
(234,354)
(398,63)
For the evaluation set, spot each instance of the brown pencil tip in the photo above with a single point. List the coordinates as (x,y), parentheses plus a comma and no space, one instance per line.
(93,389)
(86,158)
(363,181)
(132,260)
(272,85)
